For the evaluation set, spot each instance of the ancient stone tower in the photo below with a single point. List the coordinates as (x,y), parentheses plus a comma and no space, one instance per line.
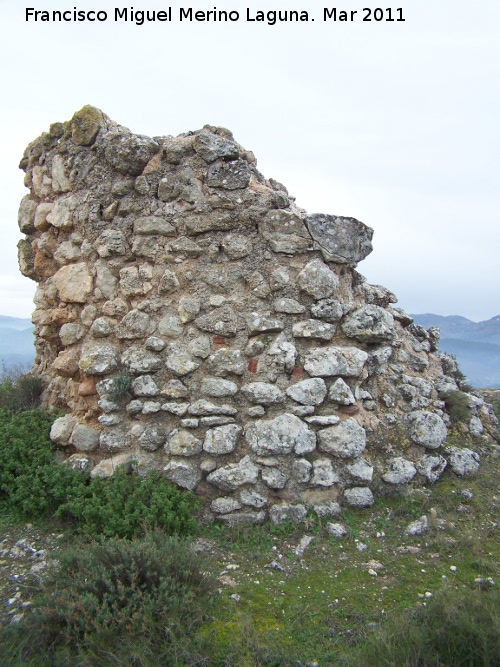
(192,319)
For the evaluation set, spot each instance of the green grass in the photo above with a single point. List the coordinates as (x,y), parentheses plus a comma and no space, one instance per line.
(326,607)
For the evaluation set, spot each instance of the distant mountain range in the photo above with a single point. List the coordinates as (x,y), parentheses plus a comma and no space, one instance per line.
(476,345)
(16,343)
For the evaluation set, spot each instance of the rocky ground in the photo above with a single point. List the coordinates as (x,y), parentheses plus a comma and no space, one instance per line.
(352,570)
(26,553)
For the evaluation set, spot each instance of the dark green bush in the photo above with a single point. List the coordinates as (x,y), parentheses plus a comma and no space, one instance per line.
(119,388)
(459,628)
(117,598)
(457,406)
(20,391)
(33,484)
(124,505)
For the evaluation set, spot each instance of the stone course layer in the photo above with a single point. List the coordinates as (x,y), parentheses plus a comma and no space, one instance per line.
(191,318)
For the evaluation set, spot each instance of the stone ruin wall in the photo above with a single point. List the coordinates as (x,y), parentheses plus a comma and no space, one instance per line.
(192,319)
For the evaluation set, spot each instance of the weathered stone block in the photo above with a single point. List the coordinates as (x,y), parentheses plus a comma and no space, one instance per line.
(282,435)
(341,240)
(344,361)
(234,475)
(346,440)
(222,440)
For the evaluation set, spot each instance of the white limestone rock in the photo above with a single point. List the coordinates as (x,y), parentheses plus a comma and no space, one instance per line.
(85,438)
(418,527)
(152,438)
(330,310)
(322,420)
(287,512)
(463,461)
(317,280)
(203,407)
(61,429)
(114,439)
(274,478)
(346,440)
(288,306)
(224,505)
(284,353)
(222,440)
(144,385)
(170,326)
(340,240)
(476,427)
(262,393)
(107,467)
(431,467)
(401,471)
(154,344)
(323,473)
(182,443)
(252,498)
(221,321)
(263,322)
(313,329)
(226,361)
(175,408)
(336,529)
(308,392)
(234,475)
(217,387)
(179,361)
(183,473)
(98,360)
(360,470)
(341,393)
(102,327)
(359,497)
(326,361)
(175,389)
(369,324)
(301,470)
(139,361)
(282,435)
(188,309)
(70,333)
(329,509)
(74,283)
(426,429)
(200,347)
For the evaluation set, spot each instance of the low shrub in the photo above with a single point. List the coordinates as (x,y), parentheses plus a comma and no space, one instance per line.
(459,628)
(19,391)
(119,388)
(33,484)
(457,406)
(125,504)
(117,599)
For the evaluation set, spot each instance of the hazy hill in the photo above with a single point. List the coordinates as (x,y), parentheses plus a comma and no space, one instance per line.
(476,345)
(16,342)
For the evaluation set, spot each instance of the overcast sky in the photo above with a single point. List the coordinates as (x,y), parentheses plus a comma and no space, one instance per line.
(394,123)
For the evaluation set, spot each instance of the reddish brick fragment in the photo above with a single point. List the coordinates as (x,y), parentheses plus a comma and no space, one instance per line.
(218,340)
(252,365)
